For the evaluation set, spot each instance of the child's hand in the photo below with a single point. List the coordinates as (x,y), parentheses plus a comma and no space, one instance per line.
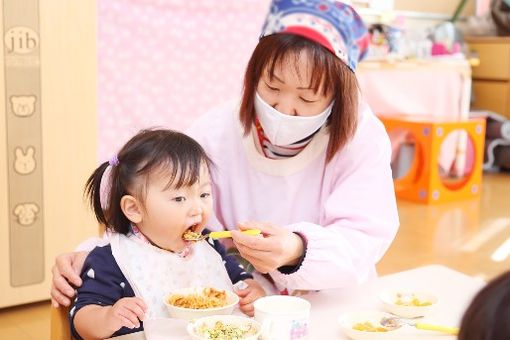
(126,313)
(248,295)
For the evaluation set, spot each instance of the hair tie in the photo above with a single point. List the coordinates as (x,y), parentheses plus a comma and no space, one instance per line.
(114,161)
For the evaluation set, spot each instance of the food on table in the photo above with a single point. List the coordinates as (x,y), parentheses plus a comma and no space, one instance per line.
(410,300)
(367,326)
(208,298)
(225,331)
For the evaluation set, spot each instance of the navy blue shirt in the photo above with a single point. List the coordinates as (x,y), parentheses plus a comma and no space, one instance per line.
(110,285)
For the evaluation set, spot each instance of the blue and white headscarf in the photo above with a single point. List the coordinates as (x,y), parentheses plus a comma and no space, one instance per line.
(332,24)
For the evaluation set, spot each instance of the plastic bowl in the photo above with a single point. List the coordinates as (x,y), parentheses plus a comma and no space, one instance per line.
(191,313)
(390,298)
(348,320)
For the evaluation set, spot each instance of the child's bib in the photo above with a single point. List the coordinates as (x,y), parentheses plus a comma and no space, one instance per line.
(154,272)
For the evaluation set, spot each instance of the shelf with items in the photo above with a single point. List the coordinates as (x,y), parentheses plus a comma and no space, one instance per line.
(491,78)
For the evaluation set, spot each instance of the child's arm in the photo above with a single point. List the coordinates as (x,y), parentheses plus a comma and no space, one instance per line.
(97,322)
(247,296)
(104,286)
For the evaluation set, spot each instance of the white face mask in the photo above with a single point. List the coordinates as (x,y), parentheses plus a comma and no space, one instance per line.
(284,130)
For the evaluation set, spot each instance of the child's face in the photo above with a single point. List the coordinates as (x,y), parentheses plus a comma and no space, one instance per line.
(289,91)
(170,212)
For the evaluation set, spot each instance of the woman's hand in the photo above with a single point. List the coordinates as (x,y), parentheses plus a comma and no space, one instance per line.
(248,296)
(278,247)
(66,270)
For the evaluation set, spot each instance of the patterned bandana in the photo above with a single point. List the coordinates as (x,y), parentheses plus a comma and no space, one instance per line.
(332,24)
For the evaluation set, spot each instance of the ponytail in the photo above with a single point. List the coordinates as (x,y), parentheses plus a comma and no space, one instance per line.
(93,193)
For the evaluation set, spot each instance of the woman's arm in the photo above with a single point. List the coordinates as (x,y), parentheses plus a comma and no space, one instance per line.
(66,271)
(359,222)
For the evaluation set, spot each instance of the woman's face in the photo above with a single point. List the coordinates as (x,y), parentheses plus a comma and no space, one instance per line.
(289,91)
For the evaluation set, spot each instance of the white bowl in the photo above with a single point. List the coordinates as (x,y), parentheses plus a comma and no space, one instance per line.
(194,326)
(191,313)
(389,299)
(348,320)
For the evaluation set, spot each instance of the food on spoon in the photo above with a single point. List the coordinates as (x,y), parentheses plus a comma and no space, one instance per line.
(190,235)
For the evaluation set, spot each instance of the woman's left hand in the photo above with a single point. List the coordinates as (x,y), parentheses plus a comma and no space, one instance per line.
(276,248)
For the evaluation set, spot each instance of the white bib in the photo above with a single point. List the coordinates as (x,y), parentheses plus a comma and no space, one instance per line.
(154,272)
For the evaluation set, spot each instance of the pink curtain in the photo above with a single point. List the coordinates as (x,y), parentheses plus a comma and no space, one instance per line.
(165,62)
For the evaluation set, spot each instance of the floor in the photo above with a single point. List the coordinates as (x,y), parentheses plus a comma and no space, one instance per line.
(472,237)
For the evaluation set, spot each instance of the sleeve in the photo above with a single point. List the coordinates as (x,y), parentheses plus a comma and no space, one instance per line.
(292,269)
(359,222)
(103,283)
(236,271)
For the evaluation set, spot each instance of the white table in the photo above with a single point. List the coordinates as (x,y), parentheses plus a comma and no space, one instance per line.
(454,289)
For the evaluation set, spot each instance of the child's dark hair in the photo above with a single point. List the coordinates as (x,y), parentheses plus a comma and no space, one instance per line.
(488,315)
(150,150)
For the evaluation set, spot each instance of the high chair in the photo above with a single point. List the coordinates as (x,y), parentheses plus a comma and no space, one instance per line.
(59,320)
(423,182)
(59,324)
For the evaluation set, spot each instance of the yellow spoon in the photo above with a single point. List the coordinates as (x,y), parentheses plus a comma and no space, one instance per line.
(226,234)
(395,322)
(192,236)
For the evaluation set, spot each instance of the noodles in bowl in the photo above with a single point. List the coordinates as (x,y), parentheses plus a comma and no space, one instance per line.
(196,302)
(207,298)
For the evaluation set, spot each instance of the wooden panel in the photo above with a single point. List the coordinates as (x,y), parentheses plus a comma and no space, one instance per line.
(22,83)
(494,60)
(59,321)
(68,107)
(434,6)
(493,96)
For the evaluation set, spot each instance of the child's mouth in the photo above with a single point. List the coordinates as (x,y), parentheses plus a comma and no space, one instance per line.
(191,235)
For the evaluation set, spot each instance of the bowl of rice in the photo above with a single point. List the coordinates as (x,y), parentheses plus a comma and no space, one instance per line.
(196,302)
(224,327)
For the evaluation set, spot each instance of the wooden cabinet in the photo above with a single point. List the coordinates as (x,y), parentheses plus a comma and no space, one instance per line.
(491,79)
(48,148)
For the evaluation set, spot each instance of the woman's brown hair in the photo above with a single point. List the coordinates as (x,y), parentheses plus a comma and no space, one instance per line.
(327,70)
